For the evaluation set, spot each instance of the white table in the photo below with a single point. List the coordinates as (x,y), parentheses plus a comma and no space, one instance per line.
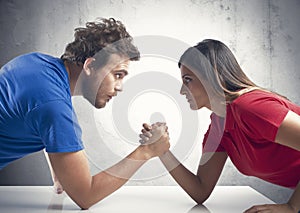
(133,199)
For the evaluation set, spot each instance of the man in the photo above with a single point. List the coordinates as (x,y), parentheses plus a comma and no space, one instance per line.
(36,110)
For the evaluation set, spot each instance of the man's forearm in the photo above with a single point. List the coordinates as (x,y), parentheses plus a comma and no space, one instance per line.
(111,179)
(73,172)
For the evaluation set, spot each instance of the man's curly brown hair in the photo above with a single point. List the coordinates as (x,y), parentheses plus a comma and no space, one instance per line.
(98,35)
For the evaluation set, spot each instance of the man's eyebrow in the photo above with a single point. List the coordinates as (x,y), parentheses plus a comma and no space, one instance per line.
(122,70)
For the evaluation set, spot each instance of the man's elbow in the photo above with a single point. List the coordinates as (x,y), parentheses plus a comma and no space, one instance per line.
(84,205)
(85,202)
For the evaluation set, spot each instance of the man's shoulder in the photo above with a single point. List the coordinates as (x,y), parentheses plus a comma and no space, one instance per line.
(43,77)
(32,59)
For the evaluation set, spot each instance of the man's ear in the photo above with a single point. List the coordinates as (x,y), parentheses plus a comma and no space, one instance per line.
(87,66)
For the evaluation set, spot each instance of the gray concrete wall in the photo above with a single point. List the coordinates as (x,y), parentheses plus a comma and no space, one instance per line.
(263,34)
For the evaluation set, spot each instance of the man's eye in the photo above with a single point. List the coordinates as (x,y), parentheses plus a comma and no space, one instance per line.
(118,75)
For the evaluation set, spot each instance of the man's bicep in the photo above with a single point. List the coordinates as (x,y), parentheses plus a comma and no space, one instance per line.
(288,133)
(56,124)
(72,171)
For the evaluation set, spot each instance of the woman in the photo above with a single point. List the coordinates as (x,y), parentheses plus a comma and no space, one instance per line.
(259,130)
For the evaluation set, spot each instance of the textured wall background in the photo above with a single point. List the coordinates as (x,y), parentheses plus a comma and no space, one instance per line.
(263,34)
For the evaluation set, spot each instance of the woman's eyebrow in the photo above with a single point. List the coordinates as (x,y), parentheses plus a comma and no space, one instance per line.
(185,75)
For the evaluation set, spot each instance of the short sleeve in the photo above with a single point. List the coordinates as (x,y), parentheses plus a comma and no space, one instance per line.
(56,123)
(213,136)
(260,118)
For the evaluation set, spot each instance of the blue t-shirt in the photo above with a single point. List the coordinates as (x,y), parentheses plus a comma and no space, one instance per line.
(35,108)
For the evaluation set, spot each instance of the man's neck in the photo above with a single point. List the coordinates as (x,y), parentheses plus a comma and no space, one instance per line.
(74,71)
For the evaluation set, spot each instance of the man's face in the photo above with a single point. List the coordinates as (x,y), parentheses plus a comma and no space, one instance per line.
(103,84)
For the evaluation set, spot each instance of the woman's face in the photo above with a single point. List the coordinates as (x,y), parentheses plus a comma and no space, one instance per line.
(193,89)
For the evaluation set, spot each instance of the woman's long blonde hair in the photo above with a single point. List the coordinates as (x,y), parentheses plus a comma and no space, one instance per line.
(214,62)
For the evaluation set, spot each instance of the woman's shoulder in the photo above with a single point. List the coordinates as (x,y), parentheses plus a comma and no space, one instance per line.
(258,110)
(259,103)
(257,97)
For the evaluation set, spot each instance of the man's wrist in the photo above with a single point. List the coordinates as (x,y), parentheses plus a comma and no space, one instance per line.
(143,153)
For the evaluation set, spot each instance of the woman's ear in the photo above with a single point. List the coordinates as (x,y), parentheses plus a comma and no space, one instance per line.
(87,66)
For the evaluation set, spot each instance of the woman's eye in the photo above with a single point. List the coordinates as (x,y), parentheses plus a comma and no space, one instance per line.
(187,80)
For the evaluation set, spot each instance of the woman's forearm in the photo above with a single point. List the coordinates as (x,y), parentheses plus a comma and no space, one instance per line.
(294,201)
(190,182)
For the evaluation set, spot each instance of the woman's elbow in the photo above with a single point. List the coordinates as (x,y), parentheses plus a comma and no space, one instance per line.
(201,197)
(201,200)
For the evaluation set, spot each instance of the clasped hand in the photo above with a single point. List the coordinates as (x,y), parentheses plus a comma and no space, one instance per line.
(156,138)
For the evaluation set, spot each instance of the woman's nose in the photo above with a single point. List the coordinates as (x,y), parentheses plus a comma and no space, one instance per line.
(183,90)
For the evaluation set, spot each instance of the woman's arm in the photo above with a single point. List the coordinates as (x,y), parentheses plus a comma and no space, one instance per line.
(289,131)
(294,201)
(200,186)
(73,173)
(289,135)
(293,205)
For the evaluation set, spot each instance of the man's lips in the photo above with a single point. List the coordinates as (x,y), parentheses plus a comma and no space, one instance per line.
(110,97)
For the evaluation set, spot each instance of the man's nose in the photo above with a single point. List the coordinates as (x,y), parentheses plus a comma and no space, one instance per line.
(119,86)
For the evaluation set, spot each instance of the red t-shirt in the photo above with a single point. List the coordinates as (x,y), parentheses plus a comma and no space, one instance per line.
(248,137)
